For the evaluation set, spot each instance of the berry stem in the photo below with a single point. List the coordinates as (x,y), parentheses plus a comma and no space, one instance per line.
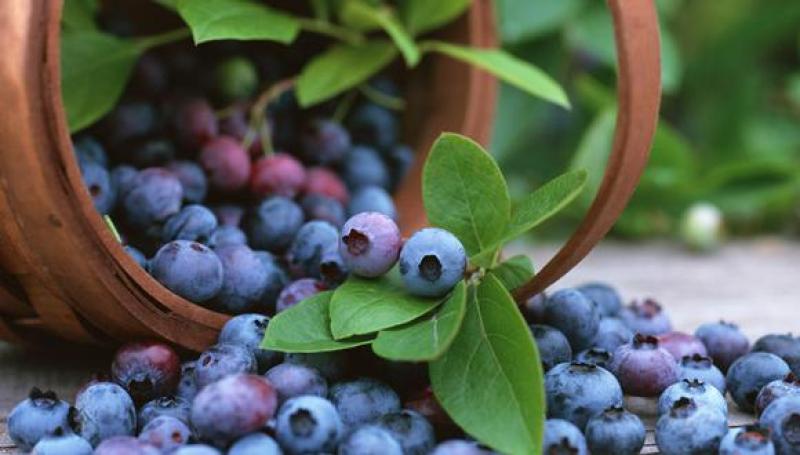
(389,102)
(164,38)
(258,116)
(323,27)
(112,227)
(344,106)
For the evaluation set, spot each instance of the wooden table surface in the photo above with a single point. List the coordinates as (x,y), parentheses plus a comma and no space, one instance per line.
(752,283)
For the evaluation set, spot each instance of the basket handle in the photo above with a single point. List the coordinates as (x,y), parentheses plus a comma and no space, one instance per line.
(638,97)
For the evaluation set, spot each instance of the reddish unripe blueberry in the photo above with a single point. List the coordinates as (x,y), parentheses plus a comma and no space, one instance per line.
(724,342)
(681,344)
(320,180)
(233,407)
(643,368)
(789,385)
(226,163)
(195,123)
(646,317)
(279,174)
(370,244)
(147,369)
(298,291)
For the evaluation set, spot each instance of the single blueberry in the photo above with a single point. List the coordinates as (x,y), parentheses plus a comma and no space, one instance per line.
(611,334)
(123,178)
(578,391)
(313,240)
(747,440)
(308,424)
(370,244)
(782,419)
(41,415)
(192,178)
(129,121)
(280,175)
(646,317)
(146,370)
(150,152)
(104,410)
(297,291)
(369,440)
(577,317)
(154,196)
(227,235)
(364,167)
(68,444)
(615,431)
(789,385)
(702,368)
(432,261)
(222,360)
(88,148)
(255,444)
(724,342)
(784,346)
(373,125)
(195,123)
(277,279)
(372,199)
(98,183)
(137,256)
(273,224)
(681,344)
(363,401)
(194,222)
(324,141)
(166,433)
(552,344)
(248,330)
(561,436)
(690,428)
(643,368)
(291,380)
(749,373)
(323,208)
(189,269)
(595,356)
(226,163)
(244,280)
(412,430)
(703,394)
(168,405)
(605,296)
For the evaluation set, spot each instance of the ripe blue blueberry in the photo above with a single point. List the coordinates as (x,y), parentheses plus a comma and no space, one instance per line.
(324,141)
(611,334)
(323,208)
(98,182)
(227,235)
(363,167)
(643,368)
(789,385)
(370,244)
(244,280)
(104,410)
(187,387)
(273,224)
(373,125)
(553,346)
(577,317)
(223,360)
(783,345)
(703,394)
(247,330)
(88,148)
(561,436)
(432,261)
(189,269)
(459,447)
(312,241)
(292,380)
(122,179)
(68,444)
(372,199)
(154,196)
(369,440)
(167,405)
(690,428)
(146,370)
(277,279)
(194,222)
(192,178)
(197,449)
(605,296)
(533,308)
(595,356)
(681,344)
(297,291)
(129,121)
(411,430)
(782,418)
(747,440)
(646,317)
(363,401)
(702,368)
(749,373)
(577,391)
(615,431)
(308,424)
(332,269)
(399,158)
(166,433)
(137,256)
(724,342)
(41,414)
(117,445)
(255,444)
(331,365)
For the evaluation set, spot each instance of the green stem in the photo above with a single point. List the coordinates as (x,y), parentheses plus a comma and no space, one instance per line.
(344,107)
(376,96)
(112,227)
(164,38)
(326,28)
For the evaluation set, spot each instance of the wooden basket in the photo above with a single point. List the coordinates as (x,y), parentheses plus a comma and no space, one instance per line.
(64,277)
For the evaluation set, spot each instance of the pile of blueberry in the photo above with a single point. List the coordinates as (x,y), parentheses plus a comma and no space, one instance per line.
(227,192)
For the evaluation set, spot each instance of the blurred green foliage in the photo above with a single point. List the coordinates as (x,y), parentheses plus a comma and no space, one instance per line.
(730,124)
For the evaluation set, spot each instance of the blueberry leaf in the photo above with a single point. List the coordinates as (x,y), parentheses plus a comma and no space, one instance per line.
(340,68)
(464,192)
(490,381)
(425,339)
(362,12)
(422,16)
(514,272)
(360,306)
(236,20)
(545,202)
(305,327)
(79,15)
(506,67)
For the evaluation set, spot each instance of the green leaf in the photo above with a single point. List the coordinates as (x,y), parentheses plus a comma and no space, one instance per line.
(363,12)
(464,192)
(95,68)
(236,20)
(514,272)
(593,151)
(426,339)
(340,68)
(526,20)
(490,381)
(506,67)
(360,306)
(79,14)
(422,16)
(305,327)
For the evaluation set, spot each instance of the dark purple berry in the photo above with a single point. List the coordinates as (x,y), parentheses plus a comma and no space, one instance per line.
(324,142)
(643,368)
(399,159)
(324,182)
(646,317)
(370,244)
(129,121)
(331,365)
(611,334)
(150,76)
(724,343)
(189,269)
(226,163)
(749,373)
(681,344)
(228,214)
(220,361)
(279,174)
(297,291)
(363,167)
(578,391)
(146,370)
(150,152)
(195,123)
(373,125)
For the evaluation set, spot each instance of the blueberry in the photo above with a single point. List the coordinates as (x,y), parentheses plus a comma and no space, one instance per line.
(277,279)
(98,183)
(577,391)
(363,401)
(129,121)
(459,447)
(146,370)
(611,334)
(702,368)
(606,297)
(690,428)
(646,317)
(297,291)
(615,431)
(187,387)
(123,178)
(244,280)
(188,269)
(195,123)
(324,142)
(704,395)
(749,373)
(363,167)
(782,418)
(595,356)
(643,368)
(411,430)
(279,174)
(561,436)
(789,385)
(724,343)
(370,440)
(196,449)
(274,223)
(533,308)
(370,244)
(574,315)
(784,346)
(373,125)
(292,380)
(42,414)
(104,410)
(552,344)
(332,365)
(222,360)
(127,445)
(88,148)
(166,433)
(399,159)
(255,444)
(323,208)
(167,405)
(313,240)
(324,182)
(432,261)
(154,196)
(236,78)
(372,199)
(68,444)
(233,407)
(194,222)
(192,178)
(137,256)
(226,163)
(747,440)
(248,330)
(308,424)
(225,236)
(681,344)
(151,152)
(228,214)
